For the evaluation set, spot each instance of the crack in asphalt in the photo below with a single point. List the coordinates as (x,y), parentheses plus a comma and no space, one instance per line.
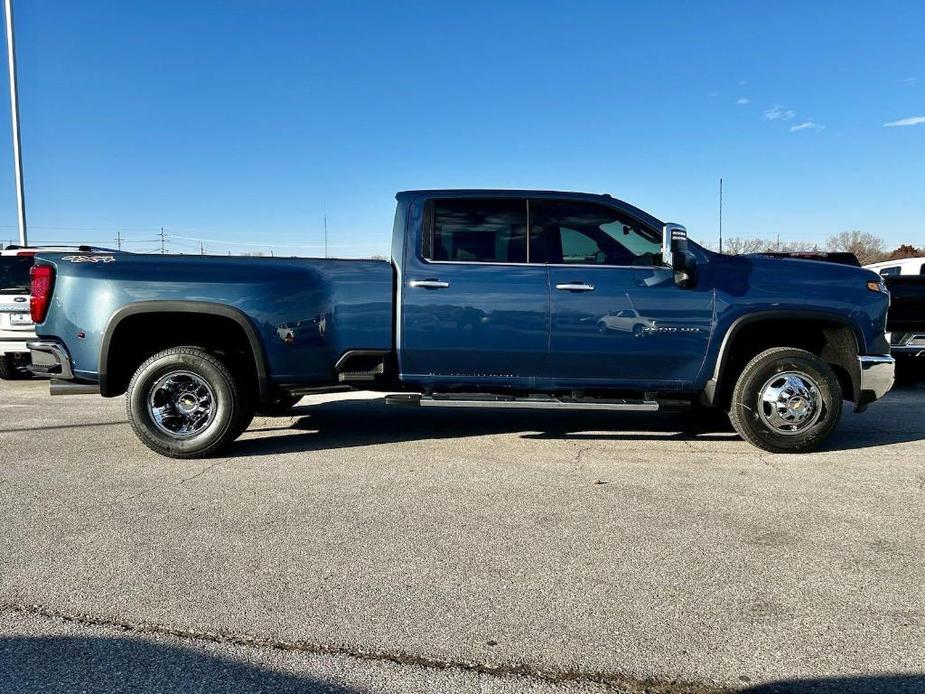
(621,682)
(576,461)
(203,471)
(773,466)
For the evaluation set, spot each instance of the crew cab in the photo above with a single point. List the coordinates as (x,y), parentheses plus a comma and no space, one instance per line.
(509,299)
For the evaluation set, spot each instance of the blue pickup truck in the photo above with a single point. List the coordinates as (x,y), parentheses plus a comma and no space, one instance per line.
(511,299)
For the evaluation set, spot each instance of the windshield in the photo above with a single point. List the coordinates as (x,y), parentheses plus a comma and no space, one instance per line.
(14,274)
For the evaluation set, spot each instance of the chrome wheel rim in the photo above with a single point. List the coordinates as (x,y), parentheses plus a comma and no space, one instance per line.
(790,403)
(181,404)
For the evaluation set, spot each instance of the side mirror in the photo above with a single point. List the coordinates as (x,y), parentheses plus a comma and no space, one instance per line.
(677,256)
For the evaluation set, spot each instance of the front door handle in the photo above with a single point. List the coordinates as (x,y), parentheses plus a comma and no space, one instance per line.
(575,287)
(429,284)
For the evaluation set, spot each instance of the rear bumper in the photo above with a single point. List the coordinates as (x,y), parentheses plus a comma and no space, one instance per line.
(50,360)
(14,344)
(876,378)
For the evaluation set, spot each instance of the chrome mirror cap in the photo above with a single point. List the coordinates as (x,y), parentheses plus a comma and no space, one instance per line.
(671,233)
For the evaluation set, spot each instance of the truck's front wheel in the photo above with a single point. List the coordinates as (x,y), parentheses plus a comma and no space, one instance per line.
(185,403)
(787,400)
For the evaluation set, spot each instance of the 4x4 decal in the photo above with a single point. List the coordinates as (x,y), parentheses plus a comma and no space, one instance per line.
(90,258)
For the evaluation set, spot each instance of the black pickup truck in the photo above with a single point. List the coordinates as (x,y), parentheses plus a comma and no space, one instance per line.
(906,318)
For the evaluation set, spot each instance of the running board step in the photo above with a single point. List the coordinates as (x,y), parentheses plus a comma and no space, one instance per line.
(534,402)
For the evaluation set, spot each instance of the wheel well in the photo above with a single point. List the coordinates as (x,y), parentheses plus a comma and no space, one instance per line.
(834,342)
(138,336)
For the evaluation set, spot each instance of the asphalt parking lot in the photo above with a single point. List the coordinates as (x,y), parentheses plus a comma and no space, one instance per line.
(355,547)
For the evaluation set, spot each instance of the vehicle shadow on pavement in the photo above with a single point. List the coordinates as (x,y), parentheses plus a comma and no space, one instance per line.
(52,427)
(873,684)
(141,665)
(365,422)
(102,665)
(349,423)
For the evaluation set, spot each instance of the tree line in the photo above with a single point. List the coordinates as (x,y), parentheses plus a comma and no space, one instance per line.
(867,247)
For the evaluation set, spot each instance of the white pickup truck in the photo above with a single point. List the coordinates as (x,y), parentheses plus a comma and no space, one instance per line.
(16,328)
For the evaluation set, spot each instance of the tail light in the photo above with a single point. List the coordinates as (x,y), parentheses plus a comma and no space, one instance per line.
(43,280)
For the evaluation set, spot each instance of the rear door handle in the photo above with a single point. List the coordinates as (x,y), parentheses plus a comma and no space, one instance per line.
(575,287)
(429,284)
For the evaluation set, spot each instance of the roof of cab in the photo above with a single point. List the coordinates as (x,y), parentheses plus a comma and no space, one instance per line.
(606,198)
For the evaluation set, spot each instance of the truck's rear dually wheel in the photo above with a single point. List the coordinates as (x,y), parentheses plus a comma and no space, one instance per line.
(787,400)
(185,403)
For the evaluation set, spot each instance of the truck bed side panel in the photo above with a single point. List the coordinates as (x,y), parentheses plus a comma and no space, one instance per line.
(306,312)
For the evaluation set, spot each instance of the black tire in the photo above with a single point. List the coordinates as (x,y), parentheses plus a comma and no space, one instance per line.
(761,424)
(708,419)
(9,371)
(278,406)
(229,413)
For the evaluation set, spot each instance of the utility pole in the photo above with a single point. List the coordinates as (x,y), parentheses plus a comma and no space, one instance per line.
(163,241)
(202,249)
(721,214)
(325,236)
(119,240)
(14,112)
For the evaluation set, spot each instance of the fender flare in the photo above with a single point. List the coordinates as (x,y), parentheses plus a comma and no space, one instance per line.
(172,306)
(712,386)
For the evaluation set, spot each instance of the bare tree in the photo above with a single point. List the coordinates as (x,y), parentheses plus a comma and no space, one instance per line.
(905,251)
(866,247)
(737,245)
(798,246)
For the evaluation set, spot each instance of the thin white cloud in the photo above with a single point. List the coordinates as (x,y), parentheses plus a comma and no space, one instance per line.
(779,113)
(743,100)
(806,125)
(915,120)
(713,94)
(742,83)
(908,80)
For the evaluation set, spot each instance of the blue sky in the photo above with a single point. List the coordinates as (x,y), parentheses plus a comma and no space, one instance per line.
(245,121)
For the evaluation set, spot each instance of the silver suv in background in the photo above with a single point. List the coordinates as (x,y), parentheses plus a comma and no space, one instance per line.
(16,328)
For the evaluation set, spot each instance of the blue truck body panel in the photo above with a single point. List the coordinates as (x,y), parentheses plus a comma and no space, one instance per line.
(494,325)
(306,313)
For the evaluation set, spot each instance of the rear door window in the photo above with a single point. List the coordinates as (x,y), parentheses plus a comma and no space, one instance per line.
(890,271)
(470,230)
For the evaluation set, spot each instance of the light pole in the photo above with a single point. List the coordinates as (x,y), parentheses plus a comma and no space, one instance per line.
(14,111)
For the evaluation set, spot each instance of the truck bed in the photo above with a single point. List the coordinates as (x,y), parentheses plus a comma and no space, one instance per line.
(306,312)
